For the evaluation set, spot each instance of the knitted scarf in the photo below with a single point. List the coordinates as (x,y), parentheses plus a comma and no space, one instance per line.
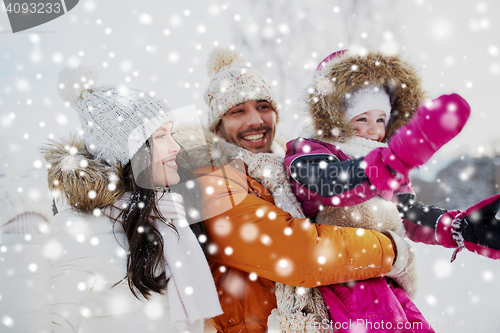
(299,309)
(191,290)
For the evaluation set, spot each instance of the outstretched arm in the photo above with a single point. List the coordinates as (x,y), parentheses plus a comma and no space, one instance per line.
(248,232)
(476,229)
(321,174)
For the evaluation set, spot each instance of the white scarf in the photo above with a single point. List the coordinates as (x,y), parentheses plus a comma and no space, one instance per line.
(356,146)
(191,290)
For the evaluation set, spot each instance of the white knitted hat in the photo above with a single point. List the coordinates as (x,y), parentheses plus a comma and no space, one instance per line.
(233,83)
(366,99)
(116,120)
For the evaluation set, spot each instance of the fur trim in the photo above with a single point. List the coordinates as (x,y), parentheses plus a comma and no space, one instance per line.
(85,182)
(408,279)
(279,147)
(402,253)
(342,76)
(404,269)
(203,148)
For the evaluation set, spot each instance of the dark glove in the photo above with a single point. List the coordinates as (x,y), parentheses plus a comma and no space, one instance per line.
(476,229)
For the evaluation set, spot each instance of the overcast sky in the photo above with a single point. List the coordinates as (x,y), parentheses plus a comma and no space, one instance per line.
(162,47)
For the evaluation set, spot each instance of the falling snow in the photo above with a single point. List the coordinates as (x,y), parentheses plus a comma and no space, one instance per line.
(163,48)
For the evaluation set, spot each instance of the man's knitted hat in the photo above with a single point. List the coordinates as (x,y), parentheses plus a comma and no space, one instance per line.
(116,120)
(233,83)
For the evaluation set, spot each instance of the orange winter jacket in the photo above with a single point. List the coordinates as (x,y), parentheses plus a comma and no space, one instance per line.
(254,244)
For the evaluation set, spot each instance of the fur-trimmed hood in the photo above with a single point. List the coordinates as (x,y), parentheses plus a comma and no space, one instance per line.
(350,71)
(84,182)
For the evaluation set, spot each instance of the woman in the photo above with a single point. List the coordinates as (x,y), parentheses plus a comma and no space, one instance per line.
(121,256)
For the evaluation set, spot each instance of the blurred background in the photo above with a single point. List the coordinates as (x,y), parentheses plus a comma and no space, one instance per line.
(162,48)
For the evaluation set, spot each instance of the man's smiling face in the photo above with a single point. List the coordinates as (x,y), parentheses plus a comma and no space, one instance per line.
(250,125)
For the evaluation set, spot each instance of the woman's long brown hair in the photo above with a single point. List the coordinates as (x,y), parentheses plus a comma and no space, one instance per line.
(145,273)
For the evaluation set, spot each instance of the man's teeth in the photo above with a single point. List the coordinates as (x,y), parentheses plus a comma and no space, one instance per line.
(172,162)
(254,138)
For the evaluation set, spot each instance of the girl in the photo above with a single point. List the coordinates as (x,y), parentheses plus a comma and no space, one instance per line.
(121,257)
(345,174)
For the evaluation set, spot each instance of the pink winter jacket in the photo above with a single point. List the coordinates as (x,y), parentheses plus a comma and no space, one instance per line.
(321,174)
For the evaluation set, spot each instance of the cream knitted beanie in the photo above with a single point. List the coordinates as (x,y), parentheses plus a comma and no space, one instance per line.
(233,83)
(116,120)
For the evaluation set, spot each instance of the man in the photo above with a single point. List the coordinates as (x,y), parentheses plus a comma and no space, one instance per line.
(253,243)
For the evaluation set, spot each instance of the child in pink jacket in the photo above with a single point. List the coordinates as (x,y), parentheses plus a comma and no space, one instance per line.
(347,174)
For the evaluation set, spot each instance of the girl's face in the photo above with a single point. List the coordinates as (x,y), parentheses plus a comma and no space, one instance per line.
(165,150)
(370,125)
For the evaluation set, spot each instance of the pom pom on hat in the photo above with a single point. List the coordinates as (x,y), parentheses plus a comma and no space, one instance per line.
(233,83)
(221,57)
(73,82)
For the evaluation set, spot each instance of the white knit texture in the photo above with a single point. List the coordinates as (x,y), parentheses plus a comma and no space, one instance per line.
(116,121)
(295,312)
(234,83)
(191,289)
(366,99)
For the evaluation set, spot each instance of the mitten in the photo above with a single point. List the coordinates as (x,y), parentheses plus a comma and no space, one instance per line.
(477,229)
(434,124)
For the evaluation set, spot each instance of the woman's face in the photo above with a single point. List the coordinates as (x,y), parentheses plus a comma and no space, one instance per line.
(165,150)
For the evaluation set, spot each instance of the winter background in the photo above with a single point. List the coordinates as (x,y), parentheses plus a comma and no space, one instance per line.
(162,47)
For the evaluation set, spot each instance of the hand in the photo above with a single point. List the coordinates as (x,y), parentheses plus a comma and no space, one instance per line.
(477,229)
(433,125)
